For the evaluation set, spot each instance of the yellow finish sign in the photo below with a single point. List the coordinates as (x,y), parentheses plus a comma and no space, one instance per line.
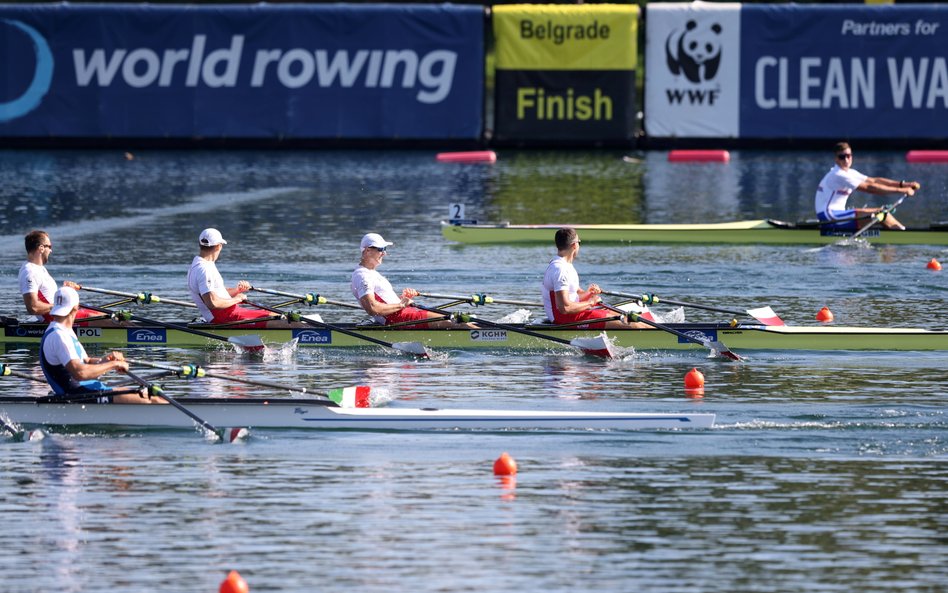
(566,37)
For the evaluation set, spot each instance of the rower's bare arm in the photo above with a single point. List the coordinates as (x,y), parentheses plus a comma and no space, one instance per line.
(34,306)
(215,302)
(568,307)
(372,306)
(94,368)
(882,186)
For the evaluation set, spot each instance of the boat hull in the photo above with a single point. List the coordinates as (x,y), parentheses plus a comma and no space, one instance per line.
(317,415)
(738,233)
(741,337)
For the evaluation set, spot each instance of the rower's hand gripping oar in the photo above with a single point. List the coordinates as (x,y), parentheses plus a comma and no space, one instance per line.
(713,345)
(414,348)
(228,435)
(250,342)
(764,315)
(347,397)
(142,298)
(598,346)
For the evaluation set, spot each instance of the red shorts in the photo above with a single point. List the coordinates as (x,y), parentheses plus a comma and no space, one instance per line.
(80,314)
(588,314)
(407,314)
(236,313)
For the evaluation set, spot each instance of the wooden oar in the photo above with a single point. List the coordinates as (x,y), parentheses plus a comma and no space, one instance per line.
(413,348)
(250,342)
(144,298)
(713,345)
(228,435)
(598,346)
(347,397)
(479,299)
(310,298)
(764,315)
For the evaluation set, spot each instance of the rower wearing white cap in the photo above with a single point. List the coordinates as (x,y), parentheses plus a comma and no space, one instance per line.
(69,371)
(376,295)
(216,302)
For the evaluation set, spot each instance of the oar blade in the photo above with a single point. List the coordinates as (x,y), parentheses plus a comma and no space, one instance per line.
(236,434)
(766,316)
(359,396)
(414,348)
(249,343)
(721,350)
(599,346)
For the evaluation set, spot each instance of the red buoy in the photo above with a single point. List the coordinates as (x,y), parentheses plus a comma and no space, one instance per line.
(474,156)
(234,583)
(699,156)
(505,465)
(927,156)
(934,265)
(824,315)
(694,383)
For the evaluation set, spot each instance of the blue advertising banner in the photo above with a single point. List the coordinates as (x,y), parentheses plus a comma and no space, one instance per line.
(268,72)
(844,71)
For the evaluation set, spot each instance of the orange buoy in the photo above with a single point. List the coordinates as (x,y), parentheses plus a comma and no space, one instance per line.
(474,156)
(934,265)
(234,583)
(694,383)
(505,465)
(699,156)
(824,315)
(927,156)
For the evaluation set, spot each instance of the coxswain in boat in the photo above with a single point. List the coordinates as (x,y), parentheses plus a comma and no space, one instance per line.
(842,180)
(70,372)
(376,295)
(564,300)
(36,284)
(217,303)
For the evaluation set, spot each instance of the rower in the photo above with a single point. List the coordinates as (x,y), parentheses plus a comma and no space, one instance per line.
(842,180)
(36,284)
(216,302)
(69,371)
(376,295)
(564,300)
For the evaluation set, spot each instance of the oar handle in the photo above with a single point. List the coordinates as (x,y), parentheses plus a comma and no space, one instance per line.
(144,298)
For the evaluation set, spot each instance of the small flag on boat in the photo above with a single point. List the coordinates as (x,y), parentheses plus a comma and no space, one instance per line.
(352,397)
(765,315)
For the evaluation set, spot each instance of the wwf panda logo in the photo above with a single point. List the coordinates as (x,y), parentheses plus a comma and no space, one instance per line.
(694,52)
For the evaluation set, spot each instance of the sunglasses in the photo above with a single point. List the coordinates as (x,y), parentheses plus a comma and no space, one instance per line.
(380,249)
(844,155)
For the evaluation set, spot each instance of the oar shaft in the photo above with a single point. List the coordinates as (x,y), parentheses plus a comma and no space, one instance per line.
(479,299)
(185,370)
(306,298)
(142,297)
(329,326)
(649,299)
(160,393)
(166,324)
(512,328)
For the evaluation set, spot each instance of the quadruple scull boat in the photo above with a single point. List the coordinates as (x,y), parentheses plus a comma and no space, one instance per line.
(764,231)
(255,413)
(737,337)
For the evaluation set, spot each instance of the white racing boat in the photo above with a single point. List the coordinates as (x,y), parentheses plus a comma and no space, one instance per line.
(322,415)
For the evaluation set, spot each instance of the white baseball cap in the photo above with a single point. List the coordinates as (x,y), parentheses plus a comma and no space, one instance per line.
(211,237)
(64,302)
(374,240)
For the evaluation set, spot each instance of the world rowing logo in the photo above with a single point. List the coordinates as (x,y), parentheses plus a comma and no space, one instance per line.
(27,90)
